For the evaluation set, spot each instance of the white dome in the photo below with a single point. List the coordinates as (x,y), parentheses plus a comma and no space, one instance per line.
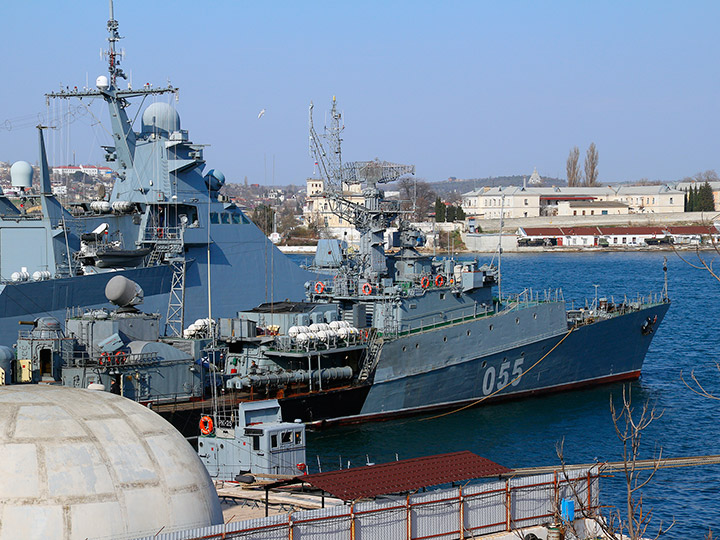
(88,464)
(160,118)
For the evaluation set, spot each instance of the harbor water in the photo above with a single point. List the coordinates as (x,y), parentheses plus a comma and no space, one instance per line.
(525,433)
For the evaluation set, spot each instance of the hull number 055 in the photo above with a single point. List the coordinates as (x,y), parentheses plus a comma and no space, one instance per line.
(493,381)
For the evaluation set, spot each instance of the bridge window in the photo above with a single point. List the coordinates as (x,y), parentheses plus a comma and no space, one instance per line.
(214,218)
(225,218)
(236,219)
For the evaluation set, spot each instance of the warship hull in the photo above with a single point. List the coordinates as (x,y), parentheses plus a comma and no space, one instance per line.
(597,353)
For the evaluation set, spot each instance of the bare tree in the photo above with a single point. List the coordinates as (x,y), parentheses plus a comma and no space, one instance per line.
(418,195)
(573,167)
(591,166)
(629,427)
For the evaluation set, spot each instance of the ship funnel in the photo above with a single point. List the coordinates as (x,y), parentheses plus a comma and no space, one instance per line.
(21,174)
(123,292)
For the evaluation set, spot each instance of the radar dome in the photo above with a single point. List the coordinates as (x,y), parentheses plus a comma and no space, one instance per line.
(21,174)
(160,118)
(214,180)
(86,464)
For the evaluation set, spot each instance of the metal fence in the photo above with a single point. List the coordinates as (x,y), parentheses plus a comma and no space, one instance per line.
(462,512)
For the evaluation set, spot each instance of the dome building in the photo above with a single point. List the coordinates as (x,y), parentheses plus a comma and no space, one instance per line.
(90,464)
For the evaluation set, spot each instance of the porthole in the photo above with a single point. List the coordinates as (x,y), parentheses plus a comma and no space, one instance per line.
(444,338)
(517,321)
(468,332)
(417,345)
(522,353)
(534,315)
(200,444)
(404,348)
(484,364)
(491,327)
(222,446)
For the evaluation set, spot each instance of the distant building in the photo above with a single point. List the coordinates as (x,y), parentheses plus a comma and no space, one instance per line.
(90,170)
(693,184)
(535,179)
(519,202)
(615,236)
(317,205)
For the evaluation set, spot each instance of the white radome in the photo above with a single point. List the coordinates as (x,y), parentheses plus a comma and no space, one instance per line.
(90,464)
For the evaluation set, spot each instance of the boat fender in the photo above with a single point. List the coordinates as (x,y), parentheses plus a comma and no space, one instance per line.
(319,287)
(206,425)
(302,468)
(366,289)
(425,282)
(439,280)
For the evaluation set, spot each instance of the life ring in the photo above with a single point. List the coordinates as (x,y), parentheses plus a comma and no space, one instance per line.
(104,357)
(439,280)
(319,287)
(120,357)
(206,425)
(366,289)
(425,282)
(159,232)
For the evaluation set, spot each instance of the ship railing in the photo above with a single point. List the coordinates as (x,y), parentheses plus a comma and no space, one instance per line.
(119,359)
(163,234)
(529,298)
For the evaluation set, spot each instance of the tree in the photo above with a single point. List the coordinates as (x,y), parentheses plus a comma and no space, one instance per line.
(591,166)
(439,211)
(263,217)
(418,195)
(450,214)
(459,213)
(706,201)
(629,427)
(573,167)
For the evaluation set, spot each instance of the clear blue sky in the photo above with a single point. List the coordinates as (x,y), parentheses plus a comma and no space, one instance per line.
(465,89)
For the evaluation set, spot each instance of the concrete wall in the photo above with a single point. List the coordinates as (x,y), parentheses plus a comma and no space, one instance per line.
(512,225)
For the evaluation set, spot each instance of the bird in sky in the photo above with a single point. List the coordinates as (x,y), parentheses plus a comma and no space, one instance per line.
(261,114)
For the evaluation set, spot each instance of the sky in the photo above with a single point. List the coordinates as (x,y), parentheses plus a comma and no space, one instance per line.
(465,89)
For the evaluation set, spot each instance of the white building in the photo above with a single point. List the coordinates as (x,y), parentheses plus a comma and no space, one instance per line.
(519,202)
(317,205)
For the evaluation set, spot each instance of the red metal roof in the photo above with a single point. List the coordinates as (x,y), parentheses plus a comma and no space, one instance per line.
(405,475)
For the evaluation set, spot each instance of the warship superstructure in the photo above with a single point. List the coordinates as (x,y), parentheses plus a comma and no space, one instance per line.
(164,225)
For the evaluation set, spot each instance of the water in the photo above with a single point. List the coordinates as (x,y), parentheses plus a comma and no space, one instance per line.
(525,433)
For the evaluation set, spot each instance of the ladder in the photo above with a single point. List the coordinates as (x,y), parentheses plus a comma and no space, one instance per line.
(371,356)
(175,318)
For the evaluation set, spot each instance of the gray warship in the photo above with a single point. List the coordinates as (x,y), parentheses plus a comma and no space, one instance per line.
(164,225)
(433,334)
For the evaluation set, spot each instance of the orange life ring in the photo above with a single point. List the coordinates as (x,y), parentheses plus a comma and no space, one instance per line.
(366,289)
(120,357)
(319,287)
(206,425)
(104,357)
(159,232)
(425,282)
(439,280)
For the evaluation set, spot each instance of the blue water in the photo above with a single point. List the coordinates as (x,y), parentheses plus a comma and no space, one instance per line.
(525,433)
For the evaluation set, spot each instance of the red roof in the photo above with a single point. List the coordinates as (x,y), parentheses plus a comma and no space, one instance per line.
(405,475)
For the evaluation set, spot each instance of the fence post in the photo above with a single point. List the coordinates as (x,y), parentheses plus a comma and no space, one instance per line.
(408,518)
(508,502)
(290,527)
(461,532)
(352,522)
(589,490)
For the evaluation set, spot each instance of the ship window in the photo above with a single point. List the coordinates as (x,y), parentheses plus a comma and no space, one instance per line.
(491,327)
(256,443)
(468,332)
(444,338)
(517,321)
(214,218)
(286,437)
(484,364)
(273,441)
(417,345)
(225,218)
(298,437)
(404,348)
(534,315)
(442,296)
(236,219)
